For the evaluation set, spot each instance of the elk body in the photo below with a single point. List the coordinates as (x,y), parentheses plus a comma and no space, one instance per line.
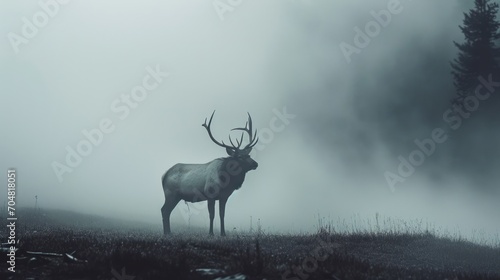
(211,181)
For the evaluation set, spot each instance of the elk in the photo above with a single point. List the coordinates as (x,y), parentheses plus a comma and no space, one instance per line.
(211,181)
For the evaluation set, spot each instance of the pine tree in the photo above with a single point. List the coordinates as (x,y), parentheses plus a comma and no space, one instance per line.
(478,55)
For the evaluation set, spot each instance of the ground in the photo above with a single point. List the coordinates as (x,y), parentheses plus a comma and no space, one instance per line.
(112,249)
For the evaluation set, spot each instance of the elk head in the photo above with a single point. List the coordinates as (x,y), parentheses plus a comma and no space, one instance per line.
(241,155)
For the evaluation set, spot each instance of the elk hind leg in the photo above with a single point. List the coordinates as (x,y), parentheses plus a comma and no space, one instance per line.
(170,202)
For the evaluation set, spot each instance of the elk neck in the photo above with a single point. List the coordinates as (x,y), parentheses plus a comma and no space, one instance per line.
(230,169)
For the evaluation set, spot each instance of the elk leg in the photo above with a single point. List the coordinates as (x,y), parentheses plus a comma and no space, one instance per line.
(222,211)
(211,212)
(170,203)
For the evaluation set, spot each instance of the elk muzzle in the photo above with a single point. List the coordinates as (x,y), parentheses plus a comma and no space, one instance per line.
(252,164)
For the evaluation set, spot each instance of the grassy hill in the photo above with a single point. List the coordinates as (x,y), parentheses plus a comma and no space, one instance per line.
(114,249)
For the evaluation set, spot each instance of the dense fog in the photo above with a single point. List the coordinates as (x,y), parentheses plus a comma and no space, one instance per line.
(341,92)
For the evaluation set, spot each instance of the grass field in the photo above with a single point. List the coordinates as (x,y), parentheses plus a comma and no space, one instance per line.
(113,249)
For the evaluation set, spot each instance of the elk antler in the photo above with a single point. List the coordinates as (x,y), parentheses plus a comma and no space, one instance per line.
(235,148)
(212,137)
(251,136)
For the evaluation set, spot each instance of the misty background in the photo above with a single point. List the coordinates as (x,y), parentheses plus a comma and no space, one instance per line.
(351,120)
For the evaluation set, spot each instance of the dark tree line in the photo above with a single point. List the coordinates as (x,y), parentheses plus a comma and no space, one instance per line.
(479,54)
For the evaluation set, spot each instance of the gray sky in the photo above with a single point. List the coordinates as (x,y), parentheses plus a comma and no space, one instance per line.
(351,120)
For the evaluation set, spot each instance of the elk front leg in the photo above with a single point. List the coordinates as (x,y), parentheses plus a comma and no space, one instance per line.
(222,211)
(211,213)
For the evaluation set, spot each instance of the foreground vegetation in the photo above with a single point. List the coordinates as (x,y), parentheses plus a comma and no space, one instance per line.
(109,249)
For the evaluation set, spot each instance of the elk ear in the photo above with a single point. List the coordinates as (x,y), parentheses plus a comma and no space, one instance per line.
(230,152)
